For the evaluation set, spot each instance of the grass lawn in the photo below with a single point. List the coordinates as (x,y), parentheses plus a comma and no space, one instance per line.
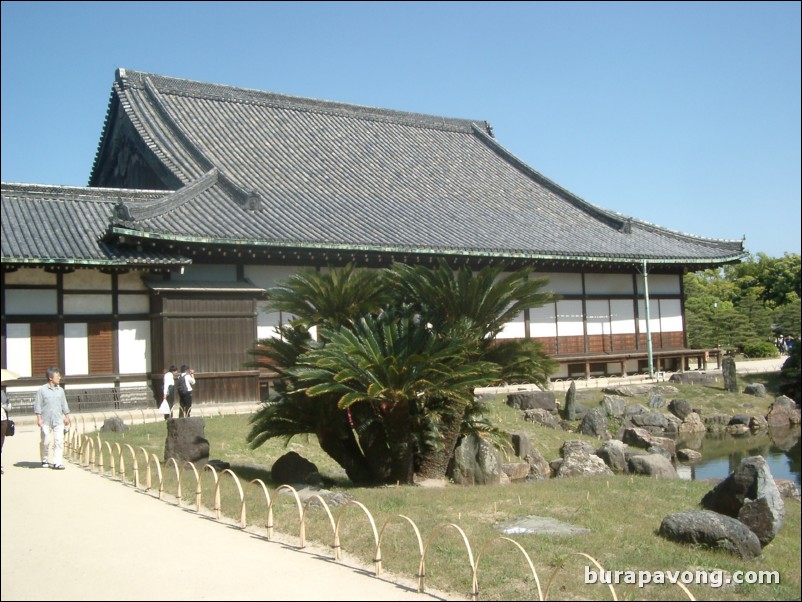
(622,513)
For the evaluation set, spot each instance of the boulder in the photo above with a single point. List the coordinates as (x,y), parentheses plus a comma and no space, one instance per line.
(185,441)
(693,378)
(730,374)
(594,424)
(680,408)
(613,454)
(114,425)
(614,406)
(579,460)
(294,469)
(475,462)
(542,417)
(756,389)
(750,495)
(688,455)
(653,465)
(532,400)
(713,530)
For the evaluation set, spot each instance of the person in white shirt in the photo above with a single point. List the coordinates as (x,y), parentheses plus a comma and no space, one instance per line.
(52,415)
(168,388)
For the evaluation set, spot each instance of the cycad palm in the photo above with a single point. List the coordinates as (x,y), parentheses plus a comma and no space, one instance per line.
(484,302)
(395,366)
(389,382)
(332,298)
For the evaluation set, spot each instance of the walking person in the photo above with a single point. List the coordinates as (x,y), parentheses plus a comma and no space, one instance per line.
(52,415)
(184,386)
(168,389)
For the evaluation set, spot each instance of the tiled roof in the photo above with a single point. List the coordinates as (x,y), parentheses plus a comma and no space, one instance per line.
(271,170)
(65,225)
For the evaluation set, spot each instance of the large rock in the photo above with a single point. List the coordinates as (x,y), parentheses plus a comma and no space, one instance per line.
(680,408)
(579,460)
(475,462)
(594,424)
(569,411)
(750,495)
(613,454)
(730,375)
(756,389)
(713,530)
(637,437)
(692,423)
(543,418)
(636,390)
(185,441)
(114,425)
(538,467)
(533,400)
(693,378)
(294,469)
(653,465)
(783,412)
(614,406)
(654,422)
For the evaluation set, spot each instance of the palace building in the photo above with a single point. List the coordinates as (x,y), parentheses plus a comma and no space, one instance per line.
(203,196)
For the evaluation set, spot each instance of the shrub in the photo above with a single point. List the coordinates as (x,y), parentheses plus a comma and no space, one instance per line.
(762,349)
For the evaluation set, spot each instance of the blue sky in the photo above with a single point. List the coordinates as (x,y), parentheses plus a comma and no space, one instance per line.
(685,115)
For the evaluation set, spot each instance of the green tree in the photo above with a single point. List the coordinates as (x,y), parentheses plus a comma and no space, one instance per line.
(483,302)
(387,386)
(744,304)
(401,370)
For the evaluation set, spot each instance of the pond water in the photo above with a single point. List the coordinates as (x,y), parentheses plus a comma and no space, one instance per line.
(723,454)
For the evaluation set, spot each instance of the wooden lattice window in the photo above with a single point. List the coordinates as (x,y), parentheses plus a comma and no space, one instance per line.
(44,347)
(101,348)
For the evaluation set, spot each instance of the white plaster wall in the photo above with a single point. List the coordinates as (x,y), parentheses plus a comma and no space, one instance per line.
(661,284)
(608,284)
(515,329)
(87,280)
(18,348)
(670,315)
(31,276)
(82,305)
(598,317)
(654,316)
(131,281)
(38,302)
(76,349)
(543,321)
(563,284)
(134,349)
(569,318)
(622,317)
(133,304)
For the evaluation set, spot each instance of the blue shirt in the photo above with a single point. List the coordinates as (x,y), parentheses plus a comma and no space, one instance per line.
(51,403)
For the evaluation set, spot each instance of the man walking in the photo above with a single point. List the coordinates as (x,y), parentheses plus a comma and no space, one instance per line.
(52,415)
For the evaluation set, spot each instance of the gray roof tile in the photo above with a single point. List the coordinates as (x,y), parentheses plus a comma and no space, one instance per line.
(66,225)
(332,175)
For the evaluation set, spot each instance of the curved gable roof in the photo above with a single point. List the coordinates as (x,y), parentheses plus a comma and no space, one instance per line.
(322,174)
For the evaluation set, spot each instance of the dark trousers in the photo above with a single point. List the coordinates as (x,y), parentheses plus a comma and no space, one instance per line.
(186,403)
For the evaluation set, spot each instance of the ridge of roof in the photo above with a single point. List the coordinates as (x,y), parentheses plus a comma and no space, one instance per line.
(222,92)
(166,202)
(94,192)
